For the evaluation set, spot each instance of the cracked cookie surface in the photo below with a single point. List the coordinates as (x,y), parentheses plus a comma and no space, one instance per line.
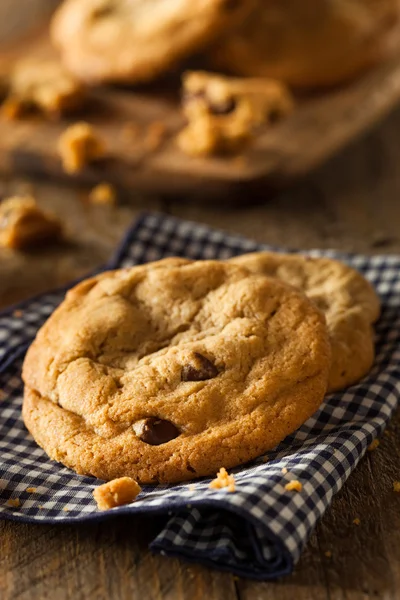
(348,300)
(166,371)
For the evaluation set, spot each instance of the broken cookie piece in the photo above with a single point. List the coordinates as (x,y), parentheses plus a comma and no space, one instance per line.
(23,224)
(116,493)
(78,146)
(222,112)
(42,85)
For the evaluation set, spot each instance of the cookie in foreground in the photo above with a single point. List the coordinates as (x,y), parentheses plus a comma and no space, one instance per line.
(166,371)
(348,300)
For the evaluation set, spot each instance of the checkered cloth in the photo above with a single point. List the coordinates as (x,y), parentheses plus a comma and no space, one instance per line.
(259,530)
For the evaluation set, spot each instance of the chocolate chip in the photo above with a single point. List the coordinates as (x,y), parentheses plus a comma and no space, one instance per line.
(201,370)
(155,431)
(223,108)
(232,4)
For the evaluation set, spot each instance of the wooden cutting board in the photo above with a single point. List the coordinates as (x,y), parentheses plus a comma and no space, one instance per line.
(319,127)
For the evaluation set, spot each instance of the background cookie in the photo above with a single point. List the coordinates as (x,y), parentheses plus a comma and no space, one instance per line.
(168,371)
(348,300)
(310,43)
(136,40)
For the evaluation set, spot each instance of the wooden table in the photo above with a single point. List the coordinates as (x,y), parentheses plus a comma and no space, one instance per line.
(352,204)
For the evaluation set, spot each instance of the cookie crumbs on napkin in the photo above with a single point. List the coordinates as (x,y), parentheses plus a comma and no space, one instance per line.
(294,486)
(116,493)
(356,521)
(14,502)
(223,480)
(396,486)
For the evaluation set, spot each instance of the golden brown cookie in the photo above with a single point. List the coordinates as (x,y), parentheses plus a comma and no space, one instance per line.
(165,372)
(223,113)
(311,43)
(348,300)
(137,40)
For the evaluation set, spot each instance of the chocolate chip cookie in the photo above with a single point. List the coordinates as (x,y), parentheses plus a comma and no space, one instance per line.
(348,300)
(311,43)
(223,113)
(137,40)
(165,372)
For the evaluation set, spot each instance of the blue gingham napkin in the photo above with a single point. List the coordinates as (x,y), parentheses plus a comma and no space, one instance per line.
(260,529)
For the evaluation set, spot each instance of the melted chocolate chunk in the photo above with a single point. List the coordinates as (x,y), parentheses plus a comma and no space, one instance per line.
(102,12)
(201,370)
(155,431)
(232,4)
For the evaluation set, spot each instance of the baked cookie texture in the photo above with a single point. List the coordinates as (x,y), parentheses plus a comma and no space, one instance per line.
(166,371)
(348,300)
(136,40)
(311,43)
(223,112)
(43,85)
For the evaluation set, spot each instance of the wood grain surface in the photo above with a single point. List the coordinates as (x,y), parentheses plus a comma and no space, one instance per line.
(351,204)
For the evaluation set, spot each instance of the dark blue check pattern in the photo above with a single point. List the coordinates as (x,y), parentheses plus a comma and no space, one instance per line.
(260,529)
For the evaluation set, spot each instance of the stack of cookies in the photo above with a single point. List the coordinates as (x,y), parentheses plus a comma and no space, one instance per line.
(169,371)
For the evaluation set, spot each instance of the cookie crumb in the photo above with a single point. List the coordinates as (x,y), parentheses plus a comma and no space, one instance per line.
(78,146)
(103,193)
(41,507)
(284,471)
(294,485)
(24,224)
(396,486)
(191,487)
(17,313)
(223,480)
(373,446)
(31,490)
(116,493)
(155,135)
(356,521)
(65,509)
(328,554)
(14,502)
